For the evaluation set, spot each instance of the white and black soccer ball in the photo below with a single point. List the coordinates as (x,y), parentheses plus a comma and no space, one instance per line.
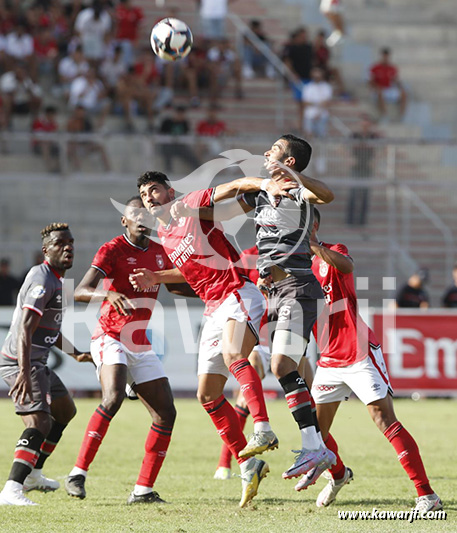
(171,39)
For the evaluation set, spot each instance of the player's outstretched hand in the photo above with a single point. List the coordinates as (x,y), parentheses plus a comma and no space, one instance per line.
(143,279)
(22,388)
(120,302)
(180,209)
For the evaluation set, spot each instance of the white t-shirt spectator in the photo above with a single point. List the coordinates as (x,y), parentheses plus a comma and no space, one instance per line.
(112,71)
(10,84)
(85,94)
(315,94)
(19,46)
(223,56)
(93,32)
(213,9)
(69,69)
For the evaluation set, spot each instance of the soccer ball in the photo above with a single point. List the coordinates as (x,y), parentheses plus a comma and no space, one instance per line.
(171,39)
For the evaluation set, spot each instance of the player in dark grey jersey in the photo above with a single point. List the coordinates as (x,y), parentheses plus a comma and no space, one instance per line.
(40,397)
(284,219)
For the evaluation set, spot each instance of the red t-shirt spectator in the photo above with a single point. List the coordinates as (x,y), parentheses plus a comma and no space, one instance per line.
(128,19)
(211,129)
(383,75)
(43,124)
(148,73)
(47,49)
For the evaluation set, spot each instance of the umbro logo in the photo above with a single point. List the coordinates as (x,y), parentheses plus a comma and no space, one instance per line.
(94,435)
(131,260)
(59,298)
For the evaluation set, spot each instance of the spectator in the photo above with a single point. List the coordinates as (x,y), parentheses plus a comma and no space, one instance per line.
(46,52)
(93,26)
(316,98)
(212,128)
(321,59)
(131,92)
(333,11)
(363,154)
(177,126)
(79,122)
(89,92)
(19,93)
(49,149)
(3,56)
(9,285)
(212,18)
(112,69)
(128,19)
(413,294)
(298,56)
(224,66)
(19,46)
(254,62)
(385,82)
(71,67)
(450,296)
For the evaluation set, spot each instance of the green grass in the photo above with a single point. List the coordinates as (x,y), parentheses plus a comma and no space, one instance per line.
(200,504)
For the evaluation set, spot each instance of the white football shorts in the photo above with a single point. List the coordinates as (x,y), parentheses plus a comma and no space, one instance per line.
(243,305)
(141,366)
(368,379)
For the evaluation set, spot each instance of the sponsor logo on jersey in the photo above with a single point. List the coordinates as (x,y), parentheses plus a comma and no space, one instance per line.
(38,292)
(181,222)
(160,262)
(131,260)
(51,340)
(323,269)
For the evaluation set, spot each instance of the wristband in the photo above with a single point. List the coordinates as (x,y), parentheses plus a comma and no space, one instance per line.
(263,185)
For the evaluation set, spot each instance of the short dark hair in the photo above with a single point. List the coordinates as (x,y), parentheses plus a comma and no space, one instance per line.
(50,109)
(385,50)
(317,215)
(153,176)
(299,149)
(136,198)
(55,226)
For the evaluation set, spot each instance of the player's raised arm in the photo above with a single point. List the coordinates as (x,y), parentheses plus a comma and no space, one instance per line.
(316,191)
(91,290)
(341,262)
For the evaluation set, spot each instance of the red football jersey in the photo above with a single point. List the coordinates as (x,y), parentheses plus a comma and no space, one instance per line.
(128,21)
(117,259)
(342,336)
(383,75)
(200,250)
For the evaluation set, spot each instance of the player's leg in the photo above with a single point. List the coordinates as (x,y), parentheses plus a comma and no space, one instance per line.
(383,415)
(36,417)
(149,381)
(239,318)
(257,360)
(113,378)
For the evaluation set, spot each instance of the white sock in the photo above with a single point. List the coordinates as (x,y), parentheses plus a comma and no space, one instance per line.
(261,426)
(78,472)
(321,440)
(139,490)
(12,485)
(310,439)
(247,465)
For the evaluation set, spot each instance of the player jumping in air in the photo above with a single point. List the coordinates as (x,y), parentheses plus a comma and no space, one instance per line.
(351,360)
(40,397)
(283,226)
(122,352)
(234,307)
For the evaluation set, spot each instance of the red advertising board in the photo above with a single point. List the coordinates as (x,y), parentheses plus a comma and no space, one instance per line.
(420,349)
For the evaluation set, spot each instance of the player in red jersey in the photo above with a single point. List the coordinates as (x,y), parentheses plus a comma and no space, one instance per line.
(122,352)
(234,308)
(352,360)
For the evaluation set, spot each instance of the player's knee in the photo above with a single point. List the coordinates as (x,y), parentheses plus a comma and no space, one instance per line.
(231,356)
(113,401)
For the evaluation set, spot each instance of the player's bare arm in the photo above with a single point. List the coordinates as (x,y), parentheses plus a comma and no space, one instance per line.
(143,278)
(81,357)
(341,262)
(316,191)
(91,290)
(23,385)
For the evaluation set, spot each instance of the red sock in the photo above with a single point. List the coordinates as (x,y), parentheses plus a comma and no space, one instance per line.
(156,447)
(95,431)
(226,420)
(409,457)
(338,470)
(225,458)
(251,387)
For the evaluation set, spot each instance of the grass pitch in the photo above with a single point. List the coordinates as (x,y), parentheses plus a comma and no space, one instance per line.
(200,504)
